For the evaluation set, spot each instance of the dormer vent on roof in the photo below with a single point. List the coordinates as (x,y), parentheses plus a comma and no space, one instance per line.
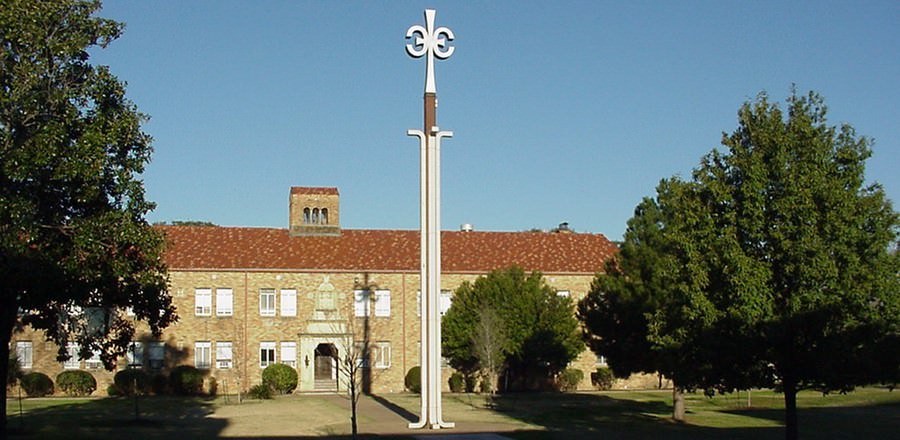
(314,211)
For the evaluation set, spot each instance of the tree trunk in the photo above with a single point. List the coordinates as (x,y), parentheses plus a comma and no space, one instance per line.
(791,429)
(677,403)
(7,321)
(353,399)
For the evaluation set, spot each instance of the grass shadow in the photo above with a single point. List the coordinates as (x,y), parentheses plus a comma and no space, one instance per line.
(159,418)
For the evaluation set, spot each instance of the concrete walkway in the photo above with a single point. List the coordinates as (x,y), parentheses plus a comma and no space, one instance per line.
(384,418)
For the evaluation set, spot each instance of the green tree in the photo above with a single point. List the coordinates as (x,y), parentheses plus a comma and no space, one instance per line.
(539,331)
(75,248)
(770,267)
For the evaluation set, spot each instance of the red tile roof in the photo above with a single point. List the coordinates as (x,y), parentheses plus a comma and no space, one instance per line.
(314,190)
(199,247)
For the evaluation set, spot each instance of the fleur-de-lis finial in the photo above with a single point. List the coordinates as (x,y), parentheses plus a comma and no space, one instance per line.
(431,43)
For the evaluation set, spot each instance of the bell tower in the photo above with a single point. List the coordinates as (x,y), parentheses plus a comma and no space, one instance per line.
(315,211)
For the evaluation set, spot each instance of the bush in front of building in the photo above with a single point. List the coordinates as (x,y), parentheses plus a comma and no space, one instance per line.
(132,381)
(280,377)
(13,371)
(471,382)
(569,379)
(186,380)
(457,382)
(413,379)
(260,391)
(36,384)
(603,379)
(76,383)
(159,384)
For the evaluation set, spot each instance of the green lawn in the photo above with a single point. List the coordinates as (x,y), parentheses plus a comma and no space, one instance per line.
(866,413)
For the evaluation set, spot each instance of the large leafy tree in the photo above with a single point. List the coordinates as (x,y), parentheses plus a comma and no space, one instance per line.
(75,249)
(540,334)
(772,266)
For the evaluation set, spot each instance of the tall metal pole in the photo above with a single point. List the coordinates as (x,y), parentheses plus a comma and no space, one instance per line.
(431,43)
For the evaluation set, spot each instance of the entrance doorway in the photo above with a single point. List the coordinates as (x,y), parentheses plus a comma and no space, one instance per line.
(325,372)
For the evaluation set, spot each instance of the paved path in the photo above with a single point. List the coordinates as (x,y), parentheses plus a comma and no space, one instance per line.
(384,418)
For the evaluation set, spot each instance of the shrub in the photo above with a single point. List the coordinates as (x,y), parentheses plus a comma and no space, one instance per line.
(213,386)
(132,381)
(569,378)
(413,379)
(280,378)
(485,386)
(13,371)
(76,383)
(113,391)
(159,384)
(457,382)
(603,378)
(36,384)
(471,382)
(261,391)
(186,380)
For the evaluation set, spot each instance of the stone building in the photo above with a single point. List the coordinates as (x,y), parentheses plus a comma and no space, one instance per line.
(250,297)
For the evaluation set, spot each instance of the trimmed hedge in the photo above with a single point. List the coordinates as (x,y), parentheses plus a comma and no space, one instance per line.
(413,379)
(457,382)
(186,380)
(280,377)
(76,383)
(132,381)
(13,370)
(603,378)
(260,391)
(569,378)
(36,384)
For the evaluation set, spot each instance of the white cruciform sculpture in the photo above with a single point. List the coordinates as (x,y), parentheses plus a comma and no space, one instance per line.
(429,42)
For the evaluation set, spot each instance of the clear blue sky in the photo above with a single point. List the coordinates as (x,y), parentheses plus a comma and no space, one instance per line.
(562,111)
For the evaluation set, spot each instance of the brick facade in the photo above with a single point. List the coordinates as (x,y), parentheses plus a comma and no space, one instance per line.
(298,290)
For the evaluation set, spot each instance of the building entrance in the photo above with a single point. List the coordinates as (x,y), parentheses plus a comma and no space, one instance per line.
(325,373)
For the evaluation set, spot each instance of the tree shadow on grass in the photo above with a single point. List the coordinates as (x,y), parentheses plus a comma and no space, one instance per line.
(836,422)
(162,418)
(587,416)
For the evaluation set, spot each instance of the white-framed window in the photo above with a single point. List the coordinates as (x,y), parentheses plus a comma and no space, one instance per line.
(267,302)
(288,302)
(223,355)
(134,355)
(25,353)
(446,301)
(601,361)
(360,303)
(289,353)
(157,354)
(73,362)
(224,301)
(266,354)
(203,302)
(381,354)
(203,355)
(94,362)
(383,303)
(562,293)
